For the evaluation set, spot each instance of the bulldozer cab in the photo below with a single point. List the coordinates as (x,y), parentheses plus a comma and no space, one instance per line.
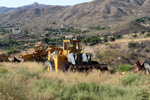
(72,46)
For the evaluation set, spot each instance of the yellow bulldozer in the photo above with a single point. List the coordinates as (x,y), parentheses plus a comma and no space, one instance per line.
(69,57)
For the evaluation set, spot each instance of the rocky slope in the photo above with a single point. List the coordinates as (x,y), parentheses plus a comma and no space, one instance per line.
(93,13)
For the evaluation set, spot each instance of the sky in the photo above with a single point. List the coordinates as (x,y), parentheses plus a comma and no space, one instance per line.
(18,3)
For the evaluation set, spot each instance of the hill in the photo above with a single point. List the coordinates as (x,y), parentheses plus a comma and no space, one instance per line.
(92,13)
(130,27)
(104,16)
(5,10)
(100,11)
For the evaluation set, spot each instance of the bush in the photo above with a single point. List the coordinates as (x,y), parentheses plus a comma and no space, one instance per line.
(46,40)
(27,74)
(117,36)
(124,67)
(12,51)
(98,55)
(133,55)
(134,35)
(105,38)
(131,44)
(3,70)
(84,41)
(140,20)
(131,79)
(112,39)
(92,40)
(147,50)
(112,71)
(81,91)
(148,34)
(142,45)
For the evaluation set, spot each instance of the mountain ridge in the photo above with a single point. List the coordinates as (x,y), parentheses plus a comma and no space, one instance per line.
(5,10)
(94,13)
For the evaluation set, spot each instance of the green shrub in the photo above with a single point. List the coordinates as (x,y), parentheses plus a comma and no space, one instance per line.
(147,50)
(117,36)
(132,44)
(131,79)
(112,39)
(53,22)
(3,70)
(124,67)
(98,55)
(134,35)
(28,74)
(142,45)
(107,43)
(143,32)
(112,71)
(46,40)
(53,89)
(105,38)
(133,55)
(97,28)
(140,20)
(92,40)
(13,50)
(148,34)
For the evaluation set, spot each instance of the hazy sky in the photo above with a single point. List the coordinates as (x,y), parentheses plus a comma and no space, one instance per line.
(17,3)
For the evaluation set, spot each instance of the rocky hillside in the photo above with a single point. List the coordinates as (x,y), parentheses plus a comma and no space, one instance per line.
(97,12)
(100,11)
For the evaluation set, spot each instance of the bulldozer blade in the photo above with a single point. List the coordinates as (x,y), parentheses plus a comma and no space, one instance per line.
(16,60)
(82,67)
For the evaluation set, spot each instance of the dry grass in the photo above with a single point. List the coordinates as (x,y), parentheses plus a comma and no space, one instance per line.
(119,51)
(27,81)
(126,40)
(68,77)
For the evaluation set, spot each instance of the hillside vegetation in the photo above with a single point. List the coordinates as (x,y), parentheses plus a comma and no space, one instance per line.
(116,32)
(98,17)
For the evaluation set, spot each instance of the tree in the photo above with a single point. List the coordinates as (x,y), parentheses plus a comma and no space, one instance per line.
(46,40)
(47,34)
(117,36)
(105,38)
(26,32)
(112,39)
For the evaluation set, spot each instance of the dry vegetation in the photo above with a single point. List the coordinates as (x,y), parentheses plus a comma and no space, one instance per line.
(123,51)
(27,81)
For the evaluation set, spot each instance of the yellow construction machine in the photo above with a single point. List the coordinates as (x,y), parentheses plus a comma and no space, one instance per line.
(70,58)
(39,53)
(67,58)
